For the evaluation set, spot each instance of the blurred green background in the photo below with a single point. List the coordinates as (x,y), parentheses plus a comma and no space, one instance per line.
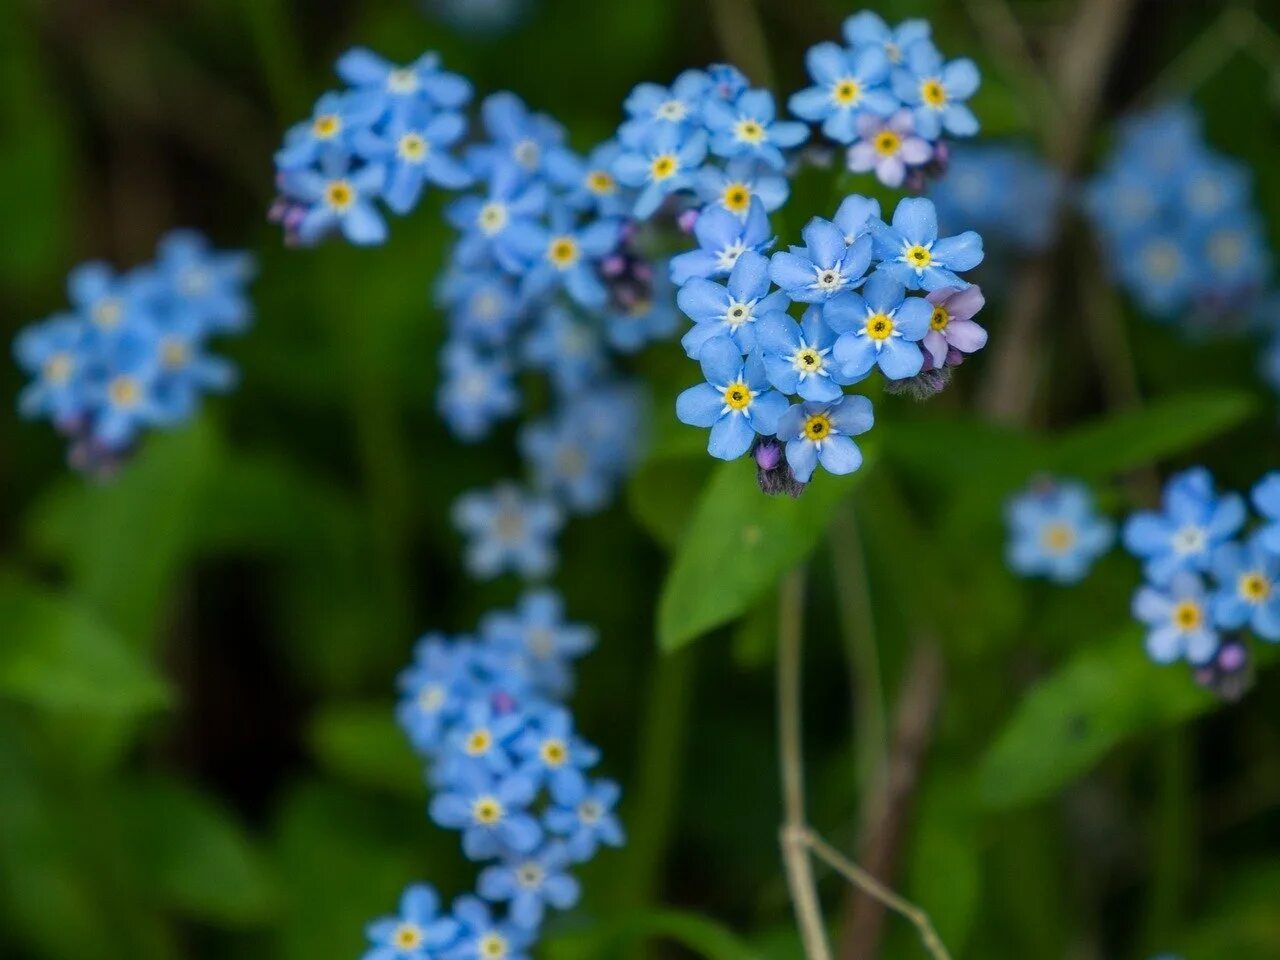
(197,750)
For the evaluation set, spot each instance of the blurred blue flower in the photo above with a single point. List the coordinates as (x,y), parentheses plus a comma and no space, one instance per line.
(491,811)
(1247,593)
(507,530)
(490,223)
(530,884)
(653,108)
(1266,500)
(334,122)
(568,349)
(482,937)
(417,932)
(340,195)
(845,83)
(665,159)
(589,183)
(394,87)
(749,128)
(868,29)
(562,255)
(740,182)
(1055,531)
(476,390)
(517,137)
(415,151)
(537,631)
(1193,521)
(552,754)
(583,813)
(936,91)
(1178,619)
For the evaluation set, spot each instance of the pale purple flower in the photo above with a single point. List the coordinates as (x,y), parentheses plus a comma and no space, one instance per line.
(888,145)
(951,325)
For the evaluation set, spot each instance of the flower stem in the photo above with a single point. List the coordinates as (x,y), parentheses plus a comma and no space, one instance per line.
(795,854)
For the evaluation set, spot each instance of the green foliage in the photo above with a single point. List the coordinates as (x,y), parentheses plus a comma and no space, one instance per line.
(363,743)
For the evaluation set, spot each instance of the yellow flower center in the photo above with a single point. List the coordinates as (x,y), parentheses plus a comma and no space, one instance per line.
(107,312)
(478,742)
(846,92)
(57,369)
(887,143)
(749,131)
(879,326)
(554,753)
(939,319)
(326,126)
(492,218)
(492,946)
(601,183)
(918,256)
(562,252)
(817,427)
(124,391)
(1058,537)
(413,147)
(1254,587)
(737,314)
(407,936)
(736,198)
(664,166)
(1187,615)
(807,360)
(339,194)
(737,396)
(933,93)
(174,353)
(486,810)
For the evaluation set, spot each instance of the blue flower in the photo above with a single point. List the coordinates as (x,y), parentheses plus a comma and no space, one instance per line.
(110,304)
(53,353)
(911,253)
(483,304)
(565,464)
(492,813)
(583,814)
(937,92)
(529,884)
(507,530)
(735,402)
(820,433)
(652,107)
(122,388)
(589,183)
(739,183)
(484,938)
(1266,498)
(564,256)
(1055,531)
(1004,192)
(519,138)
(491,223)
(552,754)
(797,356)
(184,371)
(476,390)
(825,266)
(432,692)
(881,327)
(855,215)
(1248,591)
(664,160)
(748,128)
(339,195)
(727,81)
(568,349)
(1183,535)
(331,129)
(537,632)
(416,933)
(845,84)
(1178,619)
(722,238)
(414,149)
(867,29)
(204,284)
(482,738)
(731,309)
(394,87)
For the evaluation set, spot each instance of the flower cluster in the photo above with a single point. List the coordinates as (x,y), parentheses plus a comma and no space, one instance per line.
(1178,221)
(131,353)
(874,295)
(1055,531)
(510,773)
(890,96)
(1006,193)
(1207,579)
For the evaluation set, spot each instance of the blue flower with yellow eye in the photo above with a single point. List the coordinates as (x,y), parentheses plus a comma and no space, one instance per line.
(867,29)
(491,222)
(912,254)
(652,107)
(825,266)
(749,128)
(203,284)
(1055,532)
(417,932)
(393,87)
(332,128)
(567,348)
(820,433)
(1178,619)
(583,814)
(881,327)
(508,530)
(53,353)
(1266,499)
(481,738)
(659,163)
(736,401)
(588,183)
(742,181)
(339,196)
(415,151)
(845,84)
(184,370)
(937,91)
(722,238)
(551,753)
(530,884)
(482,937)
(476,390)
(537,632)
(122,388)
(1193,522)
(1248,577)
(797,356)
(491,811)
(518,137)
(563,255)
(432,692)
(732,309)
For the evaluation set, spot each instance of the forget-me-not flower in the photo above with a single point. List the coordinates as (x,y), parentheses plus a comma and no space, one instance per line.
(1178,619)
(913,255)
(532,883)
(736,401)
(749,128)
(1248,594)
(583,814)
(881,327)
(1193,521)
(665,159)
(722,238)
(937,91)
(731,309)
(507,529)
(491,811)
(821,433)
(825,266)
(1055,531)
(416,932)
(797,356)
(845,83)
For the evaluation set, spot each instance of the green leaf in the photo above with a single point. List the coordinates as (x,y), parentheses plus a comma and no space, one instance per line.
(59,657)
(363,742)
(193,857)
(1070,721)
(698,934)
(736,546)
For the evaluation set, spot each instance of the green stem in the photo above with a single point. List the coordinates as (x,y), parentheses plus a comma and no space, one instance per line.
(1172,839)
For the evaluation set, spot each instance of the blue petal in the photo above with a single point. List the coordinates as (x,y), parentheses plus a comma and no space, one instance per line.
(731,437)
(840,455)
(900,359)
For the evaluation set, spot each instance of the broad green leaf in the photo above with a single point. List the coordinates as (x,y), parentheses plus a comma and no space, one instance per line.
(192,856)
(736,546)
(1070,721)
(663,493)
(363,742)
(57,656)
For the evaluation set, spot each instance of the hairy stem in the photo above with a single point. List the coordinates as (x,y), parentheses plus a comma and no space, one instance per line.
(795,854)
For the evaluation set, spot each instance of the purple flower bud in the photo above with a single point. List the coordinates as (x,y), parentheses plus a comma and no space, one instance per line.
(768,454)
(687,219)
